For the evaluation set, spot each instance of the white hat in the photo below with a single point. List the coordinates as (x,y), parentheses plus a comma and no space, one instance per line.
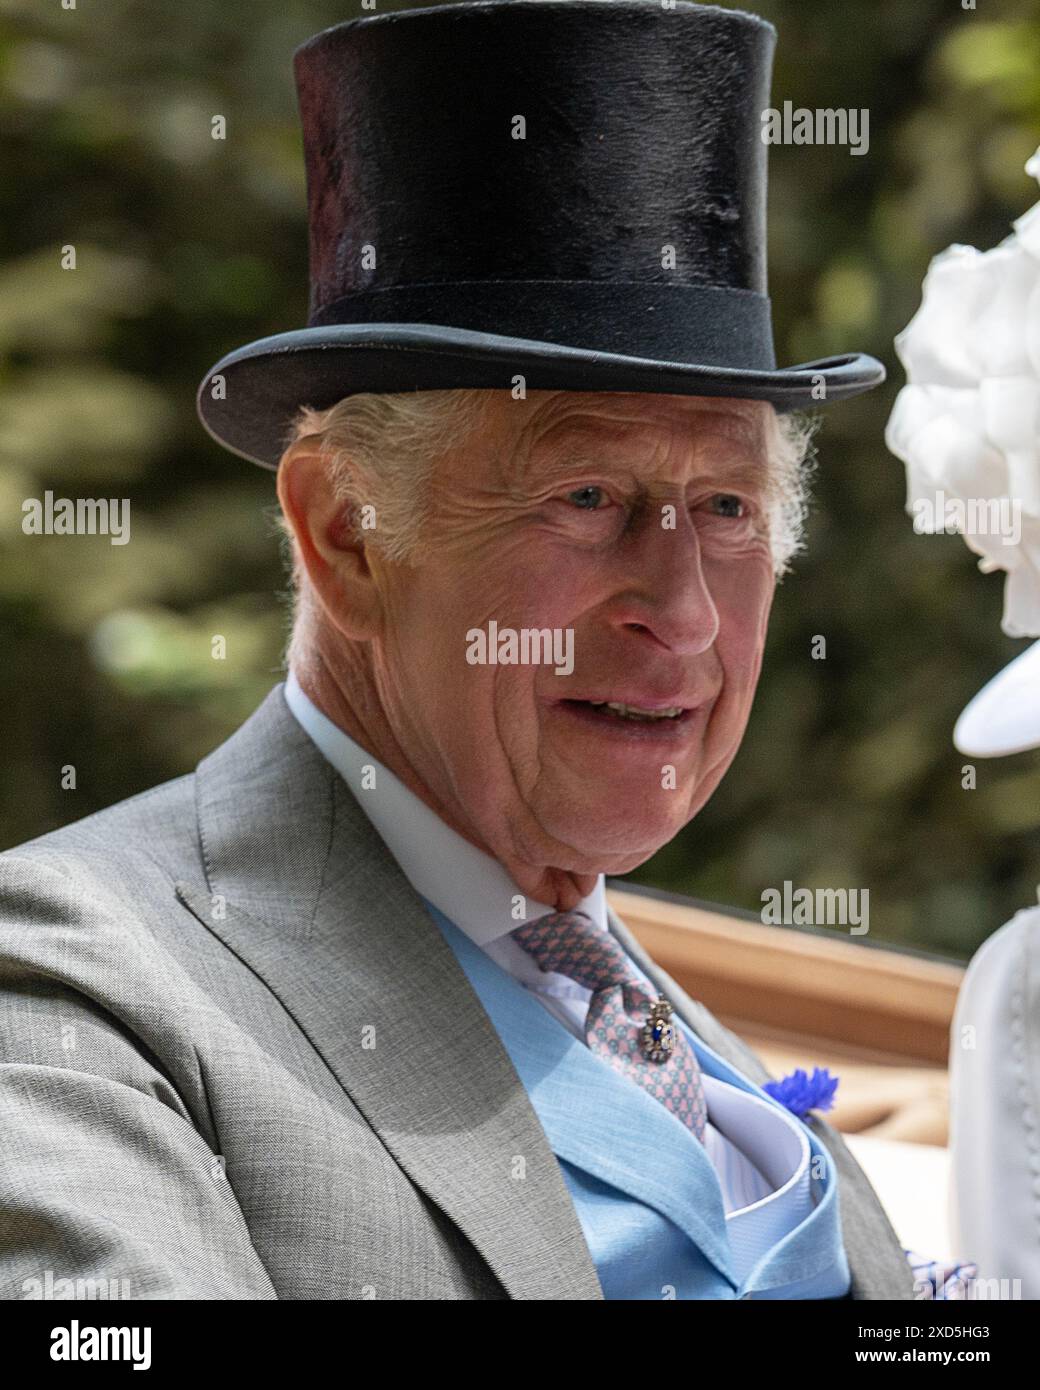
(967,426)
(1004,717)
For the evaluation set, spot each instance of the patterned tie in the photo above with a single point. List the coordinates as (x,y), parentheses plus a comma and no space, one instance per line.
(627,1023)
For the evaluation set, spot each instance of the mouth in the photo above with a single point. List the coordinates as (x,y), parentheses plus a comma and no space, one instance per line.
(645,721)
(615,709)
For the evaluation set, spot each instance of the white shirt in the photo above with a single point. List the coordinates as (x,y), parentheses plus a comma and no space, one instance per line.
(475,892)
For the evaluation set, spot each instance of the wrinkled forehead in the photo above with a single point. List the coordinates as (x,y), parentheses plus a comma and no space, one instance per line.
(642,430)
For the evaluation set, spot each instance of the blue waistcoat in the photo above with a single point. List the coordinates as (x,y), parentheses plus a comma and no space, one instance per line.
(644,1189)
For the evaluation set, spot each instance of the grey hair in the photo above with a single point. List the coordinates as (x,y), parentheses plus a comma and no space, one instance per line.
(791,453)
(380,451)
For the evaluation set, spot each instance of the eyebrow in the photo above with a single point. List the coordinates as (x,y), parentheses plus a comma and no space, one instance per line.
(748,469)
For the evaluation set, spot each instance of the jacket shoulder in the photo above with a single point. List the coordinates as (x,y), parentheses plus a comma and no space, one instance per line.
(152,834)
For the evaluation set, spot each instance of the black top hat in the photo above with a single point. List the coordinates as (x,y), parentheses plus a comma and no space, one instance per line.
(572,192)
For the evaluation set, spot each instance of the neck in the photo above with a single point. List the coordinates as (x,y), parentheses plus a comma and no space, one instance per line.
(345,693)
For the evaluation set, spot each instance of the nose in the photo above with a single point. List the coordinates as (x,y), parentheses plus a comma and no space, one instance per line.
(666,595)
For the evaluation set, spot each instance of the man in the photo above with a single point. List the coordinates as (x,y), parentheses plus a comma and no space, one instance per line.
(344,1014)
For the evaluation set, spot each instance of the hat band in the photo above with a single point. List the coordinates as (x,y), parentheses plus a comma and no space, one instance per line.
(707,325)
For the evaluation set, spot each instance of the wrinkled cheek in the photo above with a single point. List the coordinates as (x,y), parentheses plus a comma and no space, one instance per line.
(518,727)
(744,621)
(742,680)
(740,653)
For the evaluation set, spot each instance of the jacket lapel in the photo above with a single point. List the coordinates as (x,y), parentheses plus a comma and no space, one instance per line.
(594,1117)
(877,1263)
(304,891)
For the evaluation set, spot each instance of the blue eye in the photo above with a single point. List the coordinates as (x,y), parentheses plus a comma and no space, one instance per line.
(588,498)
(730,506)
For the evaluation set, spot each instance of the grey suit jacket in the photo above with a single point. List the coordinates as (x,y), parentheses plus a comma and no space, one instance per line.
(241,1062)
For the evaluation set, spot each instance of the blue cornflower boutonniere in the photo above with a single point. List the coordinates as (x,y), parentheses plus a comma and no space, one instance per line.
(801,1093)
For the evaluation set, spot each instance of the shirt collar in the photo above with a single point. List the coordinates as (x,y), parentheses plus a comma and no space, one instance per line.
(468,886)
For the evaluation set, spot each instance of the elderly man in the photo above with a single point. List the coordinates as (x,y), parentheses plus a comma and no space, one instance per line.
(344,1013)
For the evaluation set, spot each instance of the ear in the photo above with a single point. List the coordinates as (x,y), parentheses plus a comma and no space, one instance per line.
(330,549)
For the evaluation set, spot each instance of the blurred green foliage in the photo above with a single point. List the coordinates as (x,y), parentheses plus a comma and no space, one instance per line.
(187,247)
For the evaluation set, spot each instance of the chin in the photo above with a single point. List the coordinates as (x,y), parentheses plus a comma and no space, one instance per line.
(619,815)
(614,846)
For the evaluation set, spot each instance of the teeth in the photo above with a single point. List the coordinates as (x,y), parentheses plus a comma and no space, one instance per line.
(634,712)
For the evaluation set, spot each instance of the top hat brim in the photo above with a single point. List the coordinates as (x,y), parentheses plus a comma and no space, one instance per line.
(249,410)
